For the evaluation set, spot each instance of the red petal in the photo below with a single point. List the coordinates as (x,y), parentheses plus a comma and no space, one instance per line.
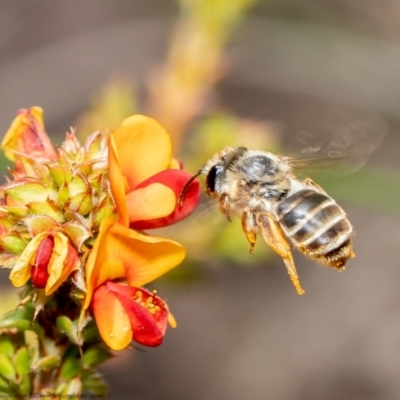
(176,180)
(148,327)
(39,271)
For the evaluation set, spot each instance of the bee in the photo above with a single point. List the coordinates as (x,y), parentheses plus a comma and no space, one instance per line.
(262,189)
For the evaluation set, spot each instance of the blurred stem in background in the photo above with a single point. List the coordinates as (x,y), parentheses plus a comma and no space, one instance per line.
(181,89)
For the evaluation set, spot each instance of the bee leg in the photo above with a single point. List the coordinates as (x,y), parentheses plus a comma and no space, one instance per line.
(274,237)
(224,205)
(311,183)
(248,225)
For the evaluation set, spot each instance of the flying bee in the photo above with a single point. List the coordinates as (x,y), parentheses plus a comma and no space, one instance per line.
(262,189)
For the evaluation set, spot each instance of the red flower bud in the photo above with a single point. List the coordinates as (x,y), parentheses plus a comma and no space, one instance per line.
(39,271)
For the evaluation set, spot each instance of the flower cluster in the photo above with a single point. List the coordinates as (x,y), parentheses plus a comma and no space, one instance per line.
(73,217)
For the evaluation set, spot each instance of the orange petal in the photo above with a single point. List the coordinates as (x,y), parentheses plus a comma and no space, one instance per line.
(27,135)
(117,182)
(98,268)
(123,253)
(143,147)
(21,271)
(145,257)
(111,319)
(148,313)
(64,260)
(150,202)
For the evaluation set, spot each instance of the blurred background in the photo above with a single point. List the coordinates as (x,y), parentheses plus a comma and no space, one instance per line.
(238,72)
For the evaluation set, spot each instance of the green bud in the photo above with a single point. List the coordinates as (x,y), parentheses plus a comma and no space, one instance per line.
(39,223)
(46,363)
(25,386)
(22,367)
(47,208)
(20,318)
(4,387)
(6,345)
(96,355)
(21,362)
(27,191)
(77,232)
(104,208)
(63,194)
(12,243)
(86,204)
(79,185)
(16,211)
(60,173)
(93,382)
(73,387)
(66,326)
(71,368)
(7,370)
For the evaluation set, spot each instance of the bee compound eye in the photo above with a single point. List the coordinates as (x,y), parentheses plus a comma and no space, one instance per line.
(211,178)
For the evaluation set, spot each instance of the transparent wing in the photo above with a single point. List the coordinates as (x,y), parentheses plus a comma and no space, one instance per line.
(349,146)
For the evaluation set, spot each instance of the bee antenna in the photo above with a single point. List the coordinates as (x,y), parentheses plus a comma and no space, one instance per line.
(186,187)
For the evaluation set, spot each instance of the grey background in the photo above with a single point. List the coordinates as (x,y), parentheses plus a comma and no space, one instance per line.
(244,333)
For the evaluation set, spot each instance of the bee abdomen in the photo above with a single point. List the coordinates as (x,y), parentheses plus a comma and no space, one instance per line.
(317,226)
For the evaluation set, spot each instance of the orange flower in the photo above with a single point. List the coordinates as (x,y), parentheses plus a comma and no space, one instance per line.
(138,258)
(26,138)
(146,190)
(124,313)
(48,260)
(144,183)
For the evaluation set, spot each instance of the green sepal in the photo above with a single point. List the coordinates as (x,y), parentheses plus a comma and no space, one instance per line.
(60,173)
(46,363)
(19,211)
(39,223)
(6,345)
(71,368)
(13,243)
(104,208)
(21,362)
(78,185)
(63,194)
(21,318)
(73,388)
(96,355)
(22,367)
(69,328)
(94,383)
(7,370)
(96,183)
(47,208)
(93,145)
(77,232)
(4,387)
(25,386)
(27,191)
(86,204)
(91,333)
(84,168)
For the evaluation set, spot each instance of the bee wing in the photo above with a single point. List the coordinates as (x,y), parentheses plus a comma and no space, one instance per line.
(349,146)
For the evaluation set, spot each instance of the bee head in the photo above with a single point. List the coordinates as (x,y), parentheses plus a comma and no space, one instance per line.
(211,178)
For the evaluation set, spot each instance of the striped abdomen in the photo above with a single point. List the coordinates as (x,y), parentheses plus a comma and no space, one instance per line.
(317,227)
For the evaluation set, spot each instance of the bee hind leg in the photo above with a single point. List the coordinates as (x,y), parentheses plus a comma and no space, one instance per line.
(249,228)
(274,237)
